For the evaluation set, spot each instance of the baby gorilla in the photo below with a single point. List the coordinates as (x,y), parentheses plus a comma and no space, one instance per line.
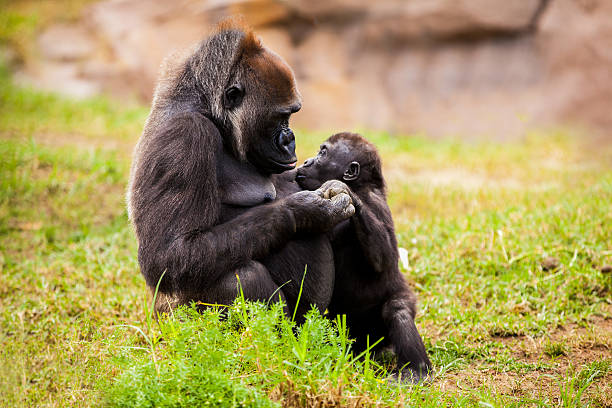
(369,287)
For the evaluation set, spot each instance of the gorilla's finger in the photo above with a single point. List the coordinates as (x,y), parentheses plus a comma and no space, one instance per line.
(349,211)
(334,184)
(332,188)
(334,191)
(341,200)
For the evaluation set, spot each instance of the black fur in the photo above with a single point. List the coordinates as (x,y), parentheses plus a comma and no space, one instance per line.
(205,205)
(369,289)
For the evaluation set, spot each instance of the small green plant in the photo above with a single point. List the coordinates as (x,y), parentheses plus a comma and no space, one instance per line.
(574,385)
(257,346)
(238,357)
(555,349)
(596,369)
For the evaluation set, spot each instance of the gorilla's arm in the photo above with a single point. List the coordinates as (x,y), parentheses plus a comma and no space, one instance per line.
(176,208)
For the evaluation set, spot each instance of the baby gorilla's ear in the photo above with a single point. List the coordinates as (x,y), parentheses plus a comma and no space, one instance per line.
(352,172)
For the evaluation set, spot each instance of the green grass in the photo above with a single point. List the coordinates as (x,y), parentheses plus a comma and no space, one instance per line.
(501,330)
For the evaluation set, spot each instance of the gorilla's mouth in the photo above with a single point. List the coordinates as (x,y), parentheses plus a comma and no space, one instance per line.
(285,165)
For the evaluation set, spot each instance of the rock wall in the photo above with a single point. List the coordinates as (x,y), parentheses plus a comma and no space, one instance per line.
(466,68)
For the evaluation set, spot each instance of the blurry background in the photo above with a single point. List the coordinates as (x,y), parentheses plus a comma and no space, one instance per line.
(475,69)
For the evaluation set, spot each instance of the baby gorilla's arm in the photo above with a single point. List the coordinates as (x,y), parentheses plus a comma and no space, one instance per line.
(372,224)
(374,228)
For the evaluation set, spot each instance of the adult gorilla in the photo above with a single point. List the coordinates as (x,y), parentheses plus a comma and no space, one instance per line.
(204,201)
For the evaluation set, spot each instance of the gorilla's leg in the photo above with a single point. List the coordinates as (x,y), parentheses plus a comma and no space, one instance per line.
(253,278)
(403,335)
(311,261)
(255,282)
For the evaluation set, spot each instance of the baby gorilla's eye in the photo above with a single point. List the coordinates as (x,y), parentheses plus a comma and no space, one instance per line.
(323,151)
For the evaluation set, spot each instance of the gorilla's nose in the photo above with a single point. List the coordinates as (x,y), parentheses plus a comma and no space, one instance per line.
(285,138)
(308,162)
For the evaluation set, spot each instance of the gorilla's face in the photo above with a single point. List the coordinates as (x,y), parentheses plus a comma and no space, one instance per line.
(334,161)
(259,105)
(272,146)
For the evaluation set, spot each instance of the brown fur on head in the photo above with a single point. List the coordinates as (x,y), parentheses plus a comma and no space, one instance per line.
(250,43)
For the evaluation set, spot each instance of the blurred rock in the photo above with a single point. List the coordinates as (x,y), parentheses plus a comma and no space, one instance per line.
(464,68)
(323,56)
(575,39)
(440,19)
(258,12)
(66,43)
(63,77)
(279,41)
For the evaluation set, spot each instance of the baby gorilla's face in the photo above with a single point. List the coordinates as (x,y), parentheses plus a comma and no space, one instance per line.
(333,162)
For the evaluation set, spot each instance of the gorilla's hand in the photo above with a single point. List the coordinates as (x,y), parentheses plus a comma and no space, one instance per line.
(320,210)
(332,188)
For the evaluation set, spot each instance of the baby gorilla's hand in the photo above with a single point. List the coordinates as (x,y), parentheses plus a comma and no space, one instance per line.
(342,207)
(332,188)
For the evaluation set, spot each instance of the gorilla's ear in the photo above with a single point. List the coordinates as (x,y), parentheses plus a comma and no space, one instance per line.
(233,96)
(352,172)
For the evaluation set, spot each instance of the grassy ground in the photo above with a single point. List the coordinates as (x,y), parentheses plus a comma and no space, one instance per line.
(507,246)
(477,221)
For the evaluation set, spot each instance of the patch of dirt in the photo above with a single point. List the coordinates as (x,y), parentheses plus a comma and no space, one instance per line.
(581,346)
(462,178)
(289,396)
(80,141)
(597,335)
(456,177)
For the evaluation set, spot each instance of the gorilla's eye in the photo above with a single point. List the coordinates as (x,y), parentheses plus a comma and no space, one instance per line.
(323,151)
(233,96)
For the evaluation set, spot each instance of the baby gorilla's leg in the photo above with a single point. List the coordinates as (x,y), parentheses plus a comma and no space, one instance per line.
(412,361)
